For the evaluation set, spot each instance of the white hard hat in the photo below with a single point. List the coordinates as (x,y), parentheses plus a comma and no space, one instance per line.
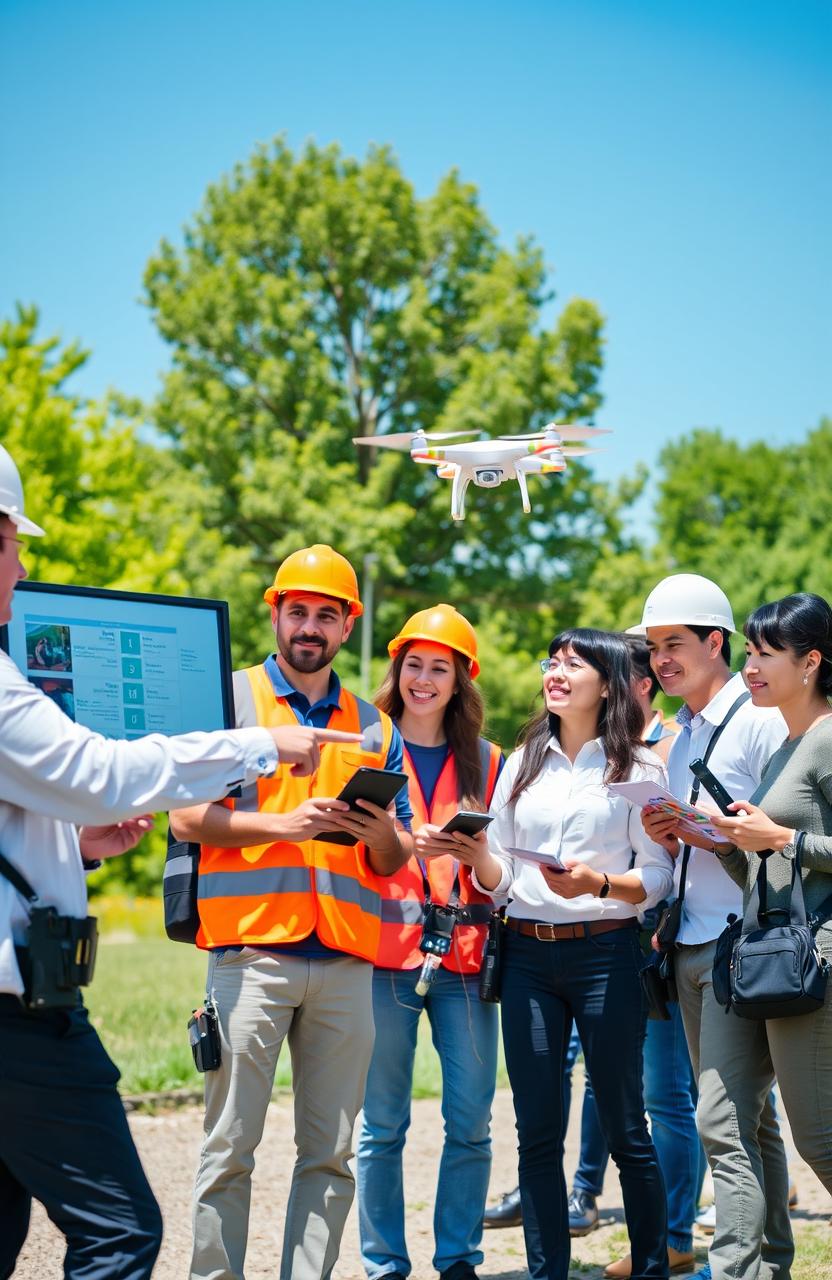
(686,599)
(11,496)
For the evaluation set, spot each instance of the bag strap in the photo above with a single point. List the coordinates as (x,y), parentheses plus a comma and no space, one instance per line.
(757,909)
(17,879)
(694,791)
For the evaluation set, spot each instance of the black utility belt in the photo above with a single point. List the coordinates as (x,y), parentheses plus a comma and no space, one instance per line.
(58,959)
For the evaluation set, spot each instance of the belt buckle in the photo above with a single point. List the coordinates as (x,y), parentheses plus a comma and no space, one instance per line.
(542,937)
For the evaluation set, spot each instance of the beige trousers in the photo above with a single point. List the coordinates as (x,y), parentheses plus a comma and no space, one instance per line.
(801,1053)
(325,1009)
(733,1067)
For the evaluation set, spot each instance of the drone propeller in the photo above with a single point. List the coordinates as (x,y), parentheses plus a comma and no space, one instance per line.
(403,440)
(564,430)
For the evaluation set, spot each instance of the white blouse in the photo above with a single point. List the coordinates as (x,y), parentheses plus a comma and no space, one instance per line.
(568,811)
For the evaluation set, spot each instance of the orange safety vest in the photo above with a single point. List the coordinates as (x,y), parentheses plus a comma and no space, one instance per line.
(268,894)
(403,894)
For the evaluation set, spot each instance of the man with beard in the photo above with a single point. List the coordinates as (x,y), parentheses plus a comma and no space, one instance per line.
(291,919)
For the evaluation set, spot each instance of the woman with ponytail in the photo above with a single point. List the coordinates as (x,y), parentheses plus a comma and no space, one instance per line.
(571,944)
(429,692)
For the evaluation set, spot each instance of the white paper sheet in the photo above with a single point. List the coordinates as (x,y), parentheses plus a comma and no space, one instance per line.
(690,819)
(537,858)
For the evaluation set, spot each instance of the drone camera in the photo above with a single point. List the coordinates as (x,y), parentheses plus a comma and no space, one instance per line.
(487,477)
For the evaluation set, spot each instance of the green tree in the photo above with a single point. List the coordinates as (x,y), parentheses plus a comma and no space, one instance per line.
(316,298)
(753,517)
(90,481)
(100,493)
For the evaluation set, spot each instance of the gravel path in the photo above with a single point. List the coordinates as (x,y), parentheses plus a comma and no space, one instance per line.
(169,1145)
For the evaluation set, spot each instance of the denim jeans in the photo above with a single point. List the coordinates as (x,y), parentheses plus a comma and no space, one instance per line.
(670,1099)
(465,1037)
(595,981)
(594,1152)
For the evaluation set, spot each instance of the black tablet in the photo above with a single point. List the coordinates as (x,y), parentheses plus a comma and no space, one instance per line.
(380,786)
(469,822)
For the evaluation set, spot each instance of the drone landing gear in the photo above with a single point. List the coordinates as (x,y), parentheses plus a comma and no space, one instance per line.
(460,485)
(524,491)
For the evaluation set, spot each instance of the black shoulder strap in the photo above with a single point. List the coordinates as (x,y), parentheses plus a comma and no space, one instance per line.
(694,791)
(15,878)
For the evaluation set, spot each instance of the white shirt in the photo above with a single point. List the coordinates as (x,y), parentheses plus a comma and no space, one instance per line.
(55,773)
(742,751)
(567,810)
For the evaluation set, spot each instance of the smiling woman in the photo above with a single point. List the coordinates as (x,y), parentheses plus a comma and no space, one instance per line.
(789,666)
(429,691)
(571,943)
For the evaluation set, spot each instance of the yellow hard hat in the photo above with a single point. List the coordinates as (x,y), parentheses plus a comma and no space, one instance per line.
(442,624)
(321,570)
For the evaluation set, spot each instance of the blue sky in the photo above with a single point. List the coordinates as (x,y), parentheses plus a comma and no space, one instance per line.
(673,160)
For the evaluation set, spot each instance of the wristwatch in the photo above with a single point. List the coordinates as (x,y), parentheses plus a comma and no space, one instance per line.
(603,892)
(788,851)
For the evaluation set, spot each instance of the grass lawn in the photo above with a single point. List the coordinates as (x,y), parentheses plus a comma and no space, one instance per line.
(141,1000)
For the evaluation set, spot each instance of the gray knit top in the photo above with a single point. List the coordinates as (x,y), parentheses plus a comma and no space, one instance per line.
(795,791)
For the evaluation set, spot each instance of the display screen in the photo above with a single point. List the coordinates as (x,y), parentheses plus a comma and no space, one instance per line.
(123,663)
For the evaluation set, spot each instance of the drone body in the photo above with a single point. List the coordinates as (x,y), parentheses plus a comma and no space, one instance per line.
(487,463)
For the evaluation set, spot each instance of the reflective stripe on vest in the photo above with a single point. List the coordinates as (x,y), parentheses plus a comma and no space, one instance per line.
(404,893)
(281,892)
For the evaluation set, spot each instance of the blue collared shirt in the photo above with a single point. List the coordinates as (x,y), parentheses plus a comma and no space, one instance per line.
(318,714)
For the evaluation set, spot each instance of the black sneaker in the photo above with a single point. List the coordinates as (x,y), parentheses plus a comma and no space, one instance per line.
(507,1213)
(458,1271)
(583,1213)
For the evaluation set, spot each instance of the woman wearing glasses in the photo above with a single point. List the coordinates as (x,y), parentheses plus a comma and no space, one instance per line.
(572,940)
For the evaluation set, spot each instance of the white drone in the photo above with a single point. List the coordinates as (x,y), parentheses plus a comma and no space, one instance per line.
(490,461)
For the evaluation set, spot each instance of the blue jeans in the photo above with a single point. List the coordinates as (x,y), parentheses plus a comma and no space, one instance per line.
(465,1037)
(595,981)
(670,1098)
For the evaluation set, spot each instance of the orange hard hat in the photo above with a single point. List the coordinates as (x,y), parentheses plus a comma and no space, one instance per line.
(321,570)
(442,624)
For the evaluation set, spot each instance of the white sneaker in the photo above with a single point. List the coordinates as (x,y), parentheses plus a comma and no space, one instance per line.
(706,1219)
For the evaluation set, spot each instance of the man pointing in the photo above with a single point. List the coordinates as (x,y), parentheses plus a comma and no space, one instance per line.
(67,794)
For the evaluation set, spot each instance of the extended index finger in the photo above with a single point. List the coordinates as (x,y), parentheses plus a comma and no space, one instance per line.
(335,735)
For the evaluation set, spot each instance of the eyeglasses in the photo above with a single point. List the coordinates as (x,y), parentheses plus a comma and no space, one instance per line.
(552,664)
(7,537)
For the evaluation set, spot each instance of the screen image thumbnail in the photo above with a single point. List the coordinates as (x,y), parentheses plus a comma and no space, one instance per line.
(61,692)
(48,647)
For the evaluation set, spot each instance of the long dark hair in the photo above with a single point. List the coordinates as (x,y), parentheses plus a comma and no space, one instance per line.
(800,622)
(463,722)
(620,721)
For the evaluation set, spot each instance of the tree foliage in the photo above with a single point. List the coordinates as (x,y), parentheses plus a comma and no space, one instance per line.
(316,298)
(90,481)
(754,517)
(97,490)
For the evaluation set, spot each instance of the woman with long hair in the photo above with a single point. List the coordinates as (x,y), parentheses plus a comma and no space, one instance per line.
(789,666)
(571,942)
(429,692)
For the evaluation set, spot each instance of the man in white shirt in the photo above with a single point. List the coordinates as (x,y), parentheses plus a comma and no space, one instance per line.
(688,621)
(67,795)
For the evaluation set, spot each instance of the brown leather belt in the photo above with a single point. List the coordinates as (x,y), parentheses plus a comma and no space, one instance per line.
(564,932)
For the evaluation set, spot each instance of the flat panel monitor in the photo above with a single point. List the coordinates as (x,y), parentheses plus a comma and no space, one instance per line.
(124,663)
